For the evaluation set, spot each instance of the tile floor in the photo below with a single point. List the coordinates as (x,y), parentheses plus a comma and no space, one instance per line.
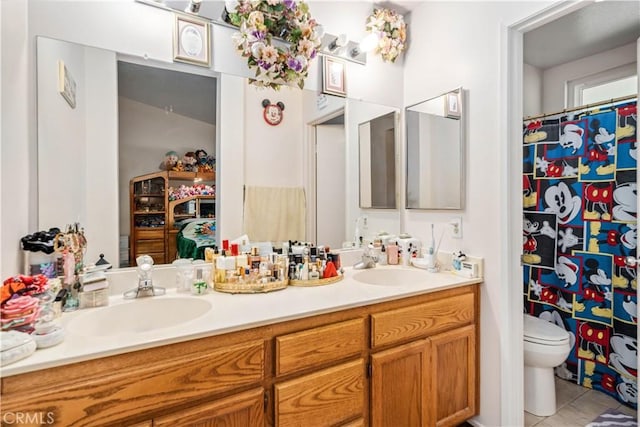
(577,406)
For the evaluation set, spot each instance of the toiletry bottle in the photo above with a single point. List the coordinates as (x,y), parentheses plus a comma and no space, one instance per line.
(392,254)
(406,256)
(382,259)
(220,273)
(313,274)
(242,261)
(254,259)
(304,272)
(199,286)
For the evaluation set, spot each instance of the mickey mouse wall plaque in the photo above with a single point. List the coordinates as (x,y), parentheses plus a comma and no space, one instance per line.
(272,112)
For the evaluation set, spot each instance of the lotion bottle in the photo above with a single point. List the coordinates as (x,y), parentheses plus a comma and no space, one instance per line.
(392,254)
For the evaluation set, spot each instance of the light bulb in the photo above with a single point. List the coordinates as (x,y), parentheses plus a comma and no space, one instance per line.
(369,42)
(319,30)
(193,7)
(231,5)
(339,41)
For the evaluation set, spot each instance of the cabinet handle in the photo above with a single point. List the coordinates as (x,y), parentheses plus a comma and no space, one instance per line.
(266,400)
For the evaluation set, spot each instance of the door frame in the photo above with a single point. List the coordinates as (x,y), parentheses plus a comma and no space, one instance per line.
(512,96)
(310,181)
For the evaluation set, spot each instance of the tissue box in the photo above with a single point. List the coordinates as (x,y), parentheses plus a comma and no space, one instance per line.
(416,244)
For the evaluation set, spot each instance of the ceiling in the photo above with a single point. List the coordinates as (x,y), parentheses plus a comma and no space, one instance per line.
(596,28)
(186,94)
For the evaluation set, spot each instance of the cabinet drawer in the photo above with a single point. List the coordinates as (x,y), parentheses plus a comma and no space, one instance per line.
(318,346)
(327,397)
(245,409)
(421,320)
(146,246)
(145,388)
(149,234)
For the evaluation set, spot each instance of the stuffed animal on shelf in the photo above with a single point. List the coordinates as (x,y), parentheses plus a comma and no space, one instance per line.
(179,167)
(201,155)
(203,165)
(170,160)
(190,162)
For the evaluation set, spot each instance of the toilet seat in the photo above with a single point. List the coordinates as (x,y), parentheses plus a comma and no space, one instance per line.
(539,331)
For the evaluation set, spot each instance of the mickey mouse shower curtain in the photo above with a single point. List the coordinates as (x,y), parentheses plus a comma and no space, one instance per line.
(579,228)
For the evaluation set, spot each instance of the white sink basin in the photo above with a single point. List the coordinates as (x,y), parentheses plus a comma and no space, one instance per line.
(393,277)
(142,315)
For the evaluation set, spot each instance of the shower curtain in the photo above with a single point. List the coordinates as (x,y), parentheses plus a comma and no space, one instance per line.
(579,227)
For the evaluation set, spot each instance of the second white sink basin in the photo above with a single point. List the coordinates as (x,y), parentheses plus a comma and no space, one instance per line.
(393,277)
(142,315)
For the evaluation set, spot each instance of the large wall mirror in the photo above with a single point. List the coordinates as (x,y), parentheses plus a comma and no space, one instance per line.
(126,117)
(377,148)
(435,152)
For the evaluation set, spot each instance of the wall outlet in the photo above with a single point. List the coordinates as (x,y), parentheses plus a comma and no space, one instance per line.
(456,227)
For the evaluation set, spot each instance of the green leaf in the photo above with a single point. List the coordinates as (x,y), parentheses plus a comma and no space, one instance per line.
(235,19)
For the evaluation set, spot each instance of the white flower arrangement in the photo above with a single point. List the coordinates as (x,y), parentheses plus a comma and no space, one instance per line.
(261,20)
(391,30)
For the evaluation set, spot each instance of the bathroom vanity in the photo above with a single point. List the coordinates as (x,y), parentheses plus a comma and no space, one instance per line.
(349,354)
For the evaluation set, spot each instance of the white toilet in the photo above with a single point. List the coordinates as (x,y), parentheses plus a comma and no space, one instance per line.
(546,346)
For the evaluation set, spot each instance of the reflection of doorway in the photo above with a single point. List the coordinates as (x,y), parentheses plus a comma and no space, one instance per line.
(330,169)
(160,110)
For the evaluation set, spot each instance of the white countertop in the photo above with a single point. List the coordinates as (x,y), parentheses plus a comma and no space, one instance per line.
(229,313)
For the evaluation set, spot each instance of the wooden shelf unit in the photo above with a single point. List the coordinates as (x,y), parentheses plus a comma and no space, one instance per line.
(152,216)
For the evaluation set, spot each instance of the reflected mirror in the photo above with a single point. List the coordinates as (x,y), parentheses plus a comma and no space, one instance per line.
(102,147)
(435,147)
(377,147)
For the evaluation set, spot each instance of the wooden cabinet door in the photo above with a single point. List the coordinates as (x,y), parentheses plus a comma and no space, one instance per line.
(452,378)
(240,410)
(399,386)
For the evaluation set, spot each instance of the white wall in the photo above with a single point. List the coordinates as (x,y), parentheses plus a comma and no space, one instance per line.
(61,129)
(18,180)
(101,143)
(532,90)
(554,79)
(470,57)
(273,154)
(146,133)
(77,151)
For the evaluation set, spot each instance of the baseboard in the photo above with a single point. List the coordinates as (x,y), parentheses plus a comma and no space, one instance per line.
(475,423)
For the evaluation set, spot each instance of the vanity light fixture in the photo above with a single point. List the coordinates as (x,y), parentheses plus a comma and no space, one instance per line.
(366,45)
(342,48)
(337,42)
(193,7)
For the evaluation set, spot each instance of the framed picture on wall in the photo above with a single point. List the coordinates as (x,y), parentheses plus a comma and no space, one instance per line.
(66,84)
(191,38)
(452,105)
(333,76)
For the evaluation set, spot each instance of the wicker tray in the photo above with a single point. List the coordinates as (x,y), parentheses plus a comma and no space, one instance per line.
(250,288)
(316,282)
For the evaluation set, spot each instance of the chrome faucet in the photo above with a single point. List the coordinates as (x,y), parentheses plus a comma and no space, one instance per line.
(368,260)
(145,282)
